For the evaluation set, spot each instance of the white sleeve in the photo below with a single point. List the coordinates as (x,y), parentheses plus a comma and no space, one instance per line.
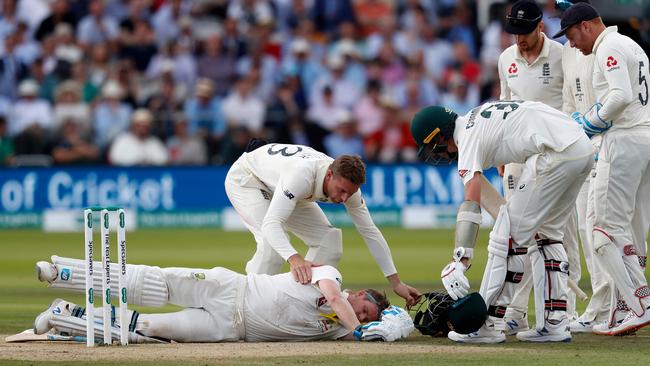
(290,189)
(619,92)
(469,158)
(326,272)
(505,90)
(374,239)
(568,61)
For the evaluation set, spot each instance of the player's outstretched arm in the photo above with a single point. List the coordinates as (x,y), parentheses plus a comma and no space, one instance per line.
(408,293)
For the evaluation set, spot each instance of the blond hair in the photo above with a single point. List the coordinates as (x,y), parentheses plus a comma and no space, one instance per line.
(349,167)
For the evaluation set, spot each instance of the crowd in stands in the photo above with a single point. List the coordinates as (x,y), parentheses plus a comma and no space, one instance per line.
(154,82)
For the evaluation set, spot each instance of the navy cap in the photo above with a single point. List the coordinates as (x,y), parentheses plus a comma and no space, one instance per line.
(523,18)
(576,14)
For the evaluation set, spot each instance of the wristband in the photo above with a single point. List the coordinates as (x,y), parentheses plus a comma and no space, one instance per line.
(357,332)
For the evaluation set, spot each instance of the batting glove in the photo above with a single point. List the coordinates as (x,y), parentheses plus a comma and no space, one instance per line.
(400,317)
(453,276)
(386,331)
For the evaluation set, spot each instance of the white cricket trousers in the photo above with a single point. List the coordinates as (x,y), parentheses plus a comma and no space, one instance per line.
(251,199)
(213,299)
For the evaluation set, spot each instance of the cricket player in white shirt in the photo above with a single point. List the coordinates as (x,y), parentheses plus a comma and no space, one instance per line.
(557,157)
(274,189)
(622,181)
(578,95)
(531,69)
(224,306)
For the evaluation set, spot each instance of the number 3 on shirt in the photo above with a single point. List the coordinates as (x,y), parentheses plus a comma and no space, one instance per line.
(283,151)
(507,106)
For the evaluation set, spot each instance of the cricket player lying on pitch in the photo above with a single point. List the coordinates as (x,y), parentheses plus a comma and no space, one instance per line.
(557,156)
(275,187)
(222,306)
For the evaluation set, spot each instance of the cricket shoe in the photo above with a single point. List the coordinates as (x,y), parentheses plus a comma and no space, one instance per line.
(631,323)
(534,335)
(46,271)
(516,325)
(42,323)
(484,335)
(550,333)
(584,326)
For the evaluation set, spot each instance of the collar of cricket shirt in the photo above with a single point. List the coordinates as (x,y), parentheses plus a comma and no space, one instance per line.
(318,194)
(543,53)
(601,36)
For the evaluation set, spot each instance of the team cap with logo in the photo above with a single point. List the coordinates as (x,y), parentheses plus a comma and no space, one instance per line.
(523,18)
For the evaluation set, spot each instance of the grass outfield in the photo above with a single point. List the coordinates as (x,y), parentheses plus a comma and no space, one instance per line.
(419,256)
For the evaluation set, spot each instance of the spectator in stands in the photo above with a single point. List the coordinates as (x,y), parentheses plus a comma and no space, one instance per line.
(166,20)
(12,70)
(392,66)
(137,44)
(97,27)
(6,144)
(345,139)
(243,109)
(164,104)
(66,52)
(369,113)
(345,93)
(437,53)
(183,148)
(99,67)
(234,43)
(279,113)
(464,64)
(137,146)
(69,107)
(205,116)
(329,14)
(59,13)
(415,76)
(30,120)
(299,62)
(249,13)
(73,146)
(8,19)
(460,95)
(216,66)
(111,115)
(392,142)
(89,91)
(324,113)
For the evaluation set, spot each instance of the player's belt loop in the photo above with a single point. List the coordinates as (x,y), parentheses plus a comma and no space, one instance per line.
(238,321)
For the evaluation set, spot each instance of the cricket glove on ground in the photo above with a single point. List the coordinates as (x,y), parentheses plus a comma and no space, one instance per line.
(387,331)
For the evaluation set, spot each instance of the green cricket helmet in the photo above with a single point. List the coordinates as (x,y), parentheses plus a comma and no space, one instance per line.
(431,127)
(438,313)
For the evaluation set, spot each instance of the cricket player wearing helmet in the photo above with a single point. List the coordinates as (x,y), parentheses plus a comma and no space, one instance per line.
(224,306)
(622,180)
(274,189)
(557,157)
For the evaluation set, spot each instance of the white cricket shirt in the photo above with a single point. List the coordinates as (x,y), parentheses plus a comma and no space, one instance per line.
(539,81)
(503,132)
(620,79)
(277,308)
(296,173)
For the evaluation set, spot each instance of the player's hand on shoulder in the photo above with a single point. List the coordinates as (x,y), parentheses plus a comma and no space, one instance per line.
(300,268)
